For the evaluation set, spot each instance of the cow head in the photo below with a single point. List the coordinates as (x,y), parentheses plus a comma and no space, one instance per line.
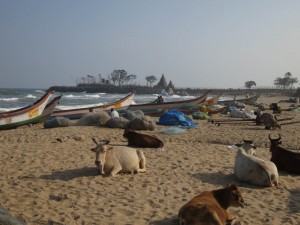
(127,132)
(235,196)
(274,142)
(101,151)
(248,146)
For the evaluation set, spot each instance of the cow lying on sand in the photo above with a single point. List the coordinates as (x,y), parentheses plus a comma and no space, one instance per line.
(118,159)
(251,169)
(210,207)
(142,140)
(283,158)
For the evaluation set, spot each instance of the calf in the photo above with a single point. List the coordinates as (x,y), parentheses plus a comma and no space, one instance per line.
(210,207)
(283,158)
(142,140)
(118,159)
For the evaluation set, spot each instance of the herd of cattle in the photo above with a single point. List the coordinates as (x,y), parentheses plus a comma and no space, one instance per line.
(210,207)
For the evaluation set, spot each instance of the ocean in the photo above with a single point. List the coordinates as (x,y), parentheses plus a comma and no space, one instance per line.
(11,99)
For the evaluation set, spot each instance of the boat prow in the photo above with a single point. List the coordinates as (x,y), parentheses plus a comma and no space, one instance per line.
(26,115)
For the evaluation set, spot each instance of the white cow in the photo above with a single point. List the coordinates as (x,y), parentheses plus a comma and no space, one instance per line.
(249,168)
(118,159)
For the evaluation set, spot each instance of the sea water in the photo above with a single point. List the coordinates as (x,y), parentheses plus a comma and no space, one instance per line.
(11,99)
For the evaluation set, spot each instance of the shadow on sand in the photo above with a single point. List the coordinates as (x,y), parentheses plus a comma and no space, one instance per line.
(165,221)
(71,174)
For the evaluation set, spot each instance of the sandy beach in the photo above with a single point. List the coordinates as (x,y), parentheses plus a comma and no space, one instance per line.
(48,176)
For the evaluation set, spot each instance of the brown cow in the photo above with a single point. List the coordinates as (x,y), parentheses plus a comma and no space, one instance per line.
(283,158)
(142,140)
(269,121)
(210,207)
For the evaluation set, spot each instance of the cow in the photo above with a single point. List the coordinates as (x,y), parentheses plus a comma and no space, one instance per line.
(142,140)
(248,146)
(251,169)
(283,158)
(210,207)
(269,121)
(112,160)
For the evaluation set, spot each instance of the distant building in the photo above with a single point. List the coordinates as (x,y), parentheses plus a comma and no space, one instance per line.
(162,82)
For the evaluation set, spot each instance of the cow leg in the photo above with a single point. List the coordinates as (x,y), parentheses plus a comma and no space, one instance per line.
(142,161)
(235,221)
(117,168)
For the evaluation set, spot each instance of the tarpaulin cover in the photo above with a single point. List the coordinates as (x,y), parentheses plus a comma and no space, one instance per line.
(175,118)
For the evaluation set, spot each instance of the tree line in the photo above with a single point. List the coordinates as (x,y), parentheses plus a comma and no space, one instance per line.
(117,78)
(287,81)
(121,77)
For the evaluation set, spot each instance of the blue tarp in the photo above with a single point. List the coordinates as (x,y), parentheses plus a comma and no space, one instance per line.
(175,118)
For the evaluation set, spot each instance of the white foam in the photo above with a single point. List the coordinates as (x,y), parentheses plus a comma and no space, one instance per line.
(30,96)
(9,99)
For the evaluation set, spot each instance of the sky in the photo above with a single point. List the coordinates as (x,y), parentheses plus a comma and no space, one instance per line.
(194,43)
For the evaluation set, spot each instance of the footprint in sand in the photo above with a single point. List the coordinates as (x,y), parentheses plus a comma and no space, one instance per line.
(125,212)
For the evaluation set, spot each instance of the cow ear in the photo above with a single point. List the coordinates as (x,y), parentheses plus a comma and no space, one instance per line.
(231,185)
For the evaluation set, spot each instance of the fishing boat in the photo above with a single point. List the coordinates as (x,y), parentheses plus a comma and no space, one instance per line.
(26,115)
(50,107)
(157,108)
(212,101)
(79,112)
(248,101)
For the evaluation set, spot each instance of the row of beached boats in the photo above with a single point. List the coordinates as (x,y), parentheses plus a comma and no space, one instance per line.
(44,108)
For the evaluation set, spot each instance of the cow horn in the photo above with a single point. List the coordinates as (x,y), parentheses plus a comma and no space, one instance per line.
(248,141)
(94,139)
(279,137)
(106,142)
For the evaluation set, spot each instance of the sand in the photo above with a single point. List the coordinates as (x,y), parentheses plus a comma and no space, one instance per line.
(48,175)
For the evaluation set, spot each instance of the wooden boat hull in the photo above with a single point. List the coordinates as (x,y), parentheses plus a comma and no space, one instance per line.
(248,101)
(212,101)
(78,113)
(27,115)
(156,109)
(50,107)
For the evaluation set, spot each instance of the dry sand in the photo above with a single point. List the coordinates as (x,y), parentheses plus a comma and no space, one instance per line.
(44,179)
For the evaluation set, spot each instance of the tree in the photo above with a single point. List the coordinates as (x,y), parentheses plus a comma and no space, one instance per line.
(91,79)
(131,77)
(249,84)
(151,79)
(286,81)
(119,77)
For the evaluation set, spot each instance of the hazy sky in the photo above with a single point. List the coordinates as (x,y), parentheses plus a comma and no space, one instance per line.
(212,43)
